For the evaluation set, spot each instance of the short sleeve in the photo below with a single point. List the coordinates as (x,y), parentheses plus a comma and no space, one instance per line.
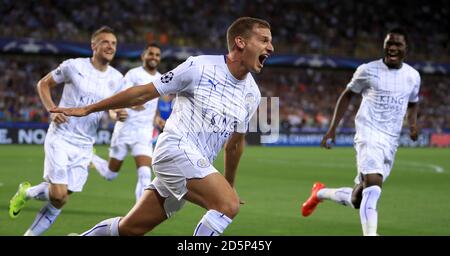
(360,79)
(178,79)
(414,96)
(62,73)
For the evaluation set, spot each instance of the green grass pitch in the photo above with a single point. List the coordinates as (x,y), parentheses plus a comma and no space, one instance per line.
(273,182)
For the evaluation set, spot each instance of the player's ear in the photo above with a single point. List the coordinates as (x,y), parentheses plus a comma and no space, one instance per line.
(93,45)
(240,42)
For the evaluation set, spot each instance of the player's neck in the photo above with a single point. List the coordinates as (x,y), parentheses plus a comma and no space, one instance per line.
(235,66)
(151,71)
(99,65)
(398,66)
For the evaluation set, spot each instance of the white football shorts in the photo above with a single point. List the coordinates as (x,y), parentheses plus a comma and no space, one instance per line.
(174,163)
(139,141)
(374,157)
(66,163)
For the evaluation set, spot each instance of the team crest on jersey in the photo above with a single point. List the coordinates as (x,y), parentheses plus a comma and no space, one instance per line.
(58,71)
(410,80)
(167,77)
(203,163)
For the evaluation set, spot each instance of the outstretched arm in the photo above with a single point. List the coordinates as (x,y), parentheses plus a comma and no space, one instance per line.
(341,106)
(413,109)
(133,96)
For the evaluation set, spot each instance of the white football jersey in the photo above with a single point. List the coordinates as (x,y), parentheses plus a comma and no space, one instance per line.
(83,85)
(143,118)
(386,93)
(210,105)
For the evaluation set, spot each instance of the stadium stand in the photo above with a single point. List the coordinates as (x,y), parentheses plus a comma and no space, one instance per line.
(330,28)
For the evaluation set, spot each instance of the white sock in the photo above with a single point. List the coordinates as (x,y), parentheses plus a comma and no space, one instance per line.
(44,219)
(368,210)
(109,227)
(339,195)
(38,192)
(101,165)
(144,179)
(213,223)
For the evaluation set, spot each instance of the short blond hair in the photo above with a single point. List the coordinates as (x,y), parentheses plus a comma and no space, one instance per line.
(103,29)
(243,27)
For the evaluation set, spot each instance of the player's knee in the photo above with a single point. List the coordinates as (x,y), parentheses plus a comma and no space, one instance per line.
(230,208)
(58,200)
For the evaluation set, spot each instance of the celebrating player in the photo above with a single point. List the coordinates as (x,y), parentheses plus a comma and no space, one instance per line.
(216,97)
(389,89)
(134,127)
(69,141)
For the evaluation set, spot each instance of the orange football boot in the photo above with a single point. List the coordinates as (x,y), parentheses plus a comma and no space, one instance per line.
(310,205)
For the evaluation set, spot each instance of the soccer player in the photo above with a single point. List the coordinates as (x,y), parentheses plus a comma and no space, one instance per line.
(216,97)
(134,131)
(69,141)
(389,89)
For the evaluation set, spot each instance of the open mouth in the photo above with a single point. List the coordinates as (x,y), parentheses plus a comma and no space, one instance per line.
(392,56)
(152,63)
(262,58)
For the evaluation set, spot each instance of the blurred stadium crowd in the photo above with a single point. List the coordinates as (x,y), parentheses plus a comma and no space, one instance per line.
(333,27)
(307,96)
